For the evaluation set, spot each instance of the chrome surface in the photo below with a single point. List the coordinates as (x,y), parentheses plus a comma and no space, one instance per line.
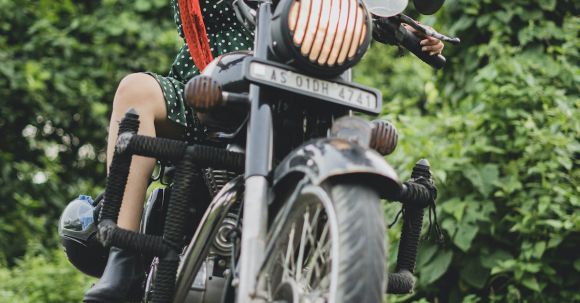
(387,8)
(217,179)
(222,244)
(253,237)
(207,288)
(204,236)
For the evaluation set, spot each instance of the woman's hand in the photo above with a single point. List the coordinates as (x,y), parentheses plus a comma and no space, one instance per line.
(431,45)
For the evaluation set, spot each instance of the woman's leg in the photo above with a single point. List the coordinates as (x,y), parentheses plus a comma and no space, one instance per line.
(123,273)
(143,93)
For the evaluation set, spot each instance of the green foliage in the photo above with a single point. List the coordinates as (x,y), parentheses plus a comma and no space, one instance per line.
(42,276)
(500,126)
(61,62)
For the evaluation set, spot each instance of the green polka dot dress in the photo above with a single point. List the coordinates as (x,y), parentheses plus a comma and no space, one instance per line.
(225,34)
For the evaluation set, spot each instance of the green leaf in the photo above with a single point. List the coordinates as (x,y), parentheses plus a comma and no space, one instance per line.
(436,268)
(426,254)
(532,283)
(577,265)
(474,274)
(497,256)
(465,235)
(483,177)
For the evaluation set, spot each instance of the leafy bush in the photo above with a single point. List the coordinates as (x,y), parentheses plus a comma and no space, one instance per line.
(500,126)
(61,62)
(42,276)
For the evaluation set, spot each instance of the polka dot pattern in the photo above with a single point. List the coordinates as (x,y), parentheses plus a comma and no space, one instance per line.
(225,34)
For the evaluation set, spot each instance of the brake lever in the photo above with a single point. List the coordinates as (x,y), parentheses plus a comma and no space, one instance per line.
(245,14)
(427,31)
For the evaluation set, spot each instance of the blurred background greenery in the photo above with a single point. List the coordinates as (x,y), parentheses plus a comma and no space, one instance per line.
(500,125)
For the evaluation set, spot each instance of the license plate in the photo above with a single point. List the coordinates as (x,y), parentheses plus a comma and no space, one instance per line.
(332,91)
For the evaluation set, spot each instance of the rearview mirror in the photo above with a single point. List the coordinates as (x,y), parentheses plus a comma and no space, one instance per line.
(428,7)
(386,8)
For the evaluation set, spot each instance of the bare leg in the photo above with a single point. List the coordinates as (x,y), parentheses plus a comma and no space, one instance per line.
(123,273)
(143,93)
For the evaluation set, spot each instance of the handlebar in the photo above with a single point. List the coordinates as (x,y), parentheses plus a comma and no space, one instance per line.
(391,31)
(412,42)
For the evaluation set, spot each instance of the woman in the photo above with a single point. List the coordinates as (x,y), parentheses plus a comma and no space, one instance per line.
(159,102)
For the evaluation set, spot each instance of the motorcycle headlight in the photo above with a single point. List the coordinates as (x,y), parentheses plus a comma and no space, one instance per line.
(322,37)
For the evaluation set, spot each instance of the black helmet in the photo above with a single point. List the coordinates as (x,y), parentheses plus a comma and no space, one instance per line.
(78,231)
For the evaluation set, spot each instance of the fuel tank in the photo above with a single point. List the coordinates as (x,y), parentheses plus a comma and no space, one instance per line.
(227,70)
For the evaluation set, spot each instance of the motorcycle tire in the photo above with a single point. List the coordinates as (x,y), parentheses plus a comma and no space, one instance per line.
(330,246)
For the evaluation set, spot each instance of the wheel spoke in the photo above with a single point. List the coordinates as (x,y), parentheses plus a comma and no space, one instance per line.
(303,260)
(305,229)
(289,259)
(319,252)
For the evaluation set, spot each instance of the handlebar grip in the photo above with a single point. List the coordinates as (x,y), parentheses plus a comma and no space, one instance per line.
(412,42)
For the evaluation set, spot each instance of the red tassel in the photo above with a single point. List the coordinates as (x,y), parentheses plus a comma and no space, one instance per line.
(195,34)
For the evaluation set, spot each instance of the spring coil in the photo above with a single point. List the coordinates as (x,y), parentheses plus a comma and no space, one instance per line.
(217,179)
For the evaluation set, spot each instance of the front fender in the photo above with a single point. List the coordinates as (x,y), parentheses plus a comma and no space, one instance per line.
(325,159)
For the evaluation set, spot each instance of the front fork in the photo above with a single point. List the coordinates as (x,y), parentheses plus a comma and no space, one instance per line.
(259,154)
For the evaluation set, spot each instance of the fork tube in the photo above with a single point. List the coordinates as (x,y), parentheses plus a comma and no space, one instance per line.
(258,165)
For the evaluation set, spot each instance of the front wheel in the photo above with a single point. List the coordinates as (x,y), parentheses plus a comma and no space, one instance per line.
(327,245)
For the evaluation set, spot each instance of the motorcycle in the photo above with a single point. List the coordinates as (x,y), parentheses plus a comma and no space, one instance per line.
(295,180)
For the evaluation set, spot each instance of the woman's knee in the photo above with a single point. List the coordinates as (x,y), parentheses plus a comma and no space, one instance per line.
(142,92)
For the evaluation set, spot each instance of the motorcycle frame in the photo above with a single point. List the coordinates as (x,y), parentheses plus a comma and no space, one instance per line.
(260,183)
(259,155)
(260,180)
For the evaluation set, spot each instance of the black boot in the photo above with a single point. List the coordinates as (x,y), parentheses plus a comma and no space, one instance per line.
(121,281)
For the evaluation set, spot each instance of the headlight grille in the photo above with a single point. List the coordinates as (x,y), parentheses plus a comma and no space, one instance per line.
(332,34)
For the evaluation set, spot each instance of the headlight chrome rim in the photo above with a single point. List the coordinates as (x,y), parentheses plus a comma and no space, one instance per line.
(338,41)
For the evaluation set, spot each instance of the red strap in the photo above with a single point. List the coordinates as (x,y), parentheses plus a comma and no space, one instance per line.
(195,34)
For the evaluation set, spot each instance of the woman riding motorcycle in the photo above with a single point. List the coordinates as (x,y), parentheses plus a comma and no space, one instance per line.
(209,28)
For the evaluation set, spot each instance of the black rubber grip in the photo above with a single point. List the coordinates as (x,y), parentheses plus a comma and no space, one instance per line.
(160,148)
(410,236)
(412,42)
(164,287)
(217,158)
(118,171)
(112,235)
(187,181)
(174,151)
(415,195)
(400,283)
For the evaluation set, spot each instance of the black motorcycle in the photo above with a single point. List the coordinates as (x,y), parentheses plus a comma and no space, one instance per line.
(294,179)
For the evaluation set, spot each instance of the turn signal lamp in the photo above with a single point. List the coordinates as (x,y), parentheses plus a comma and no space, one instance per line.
(384,137)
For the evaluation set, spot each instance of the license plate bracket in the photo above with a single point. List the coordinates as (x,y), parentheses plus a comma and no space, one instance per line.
(354,96)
